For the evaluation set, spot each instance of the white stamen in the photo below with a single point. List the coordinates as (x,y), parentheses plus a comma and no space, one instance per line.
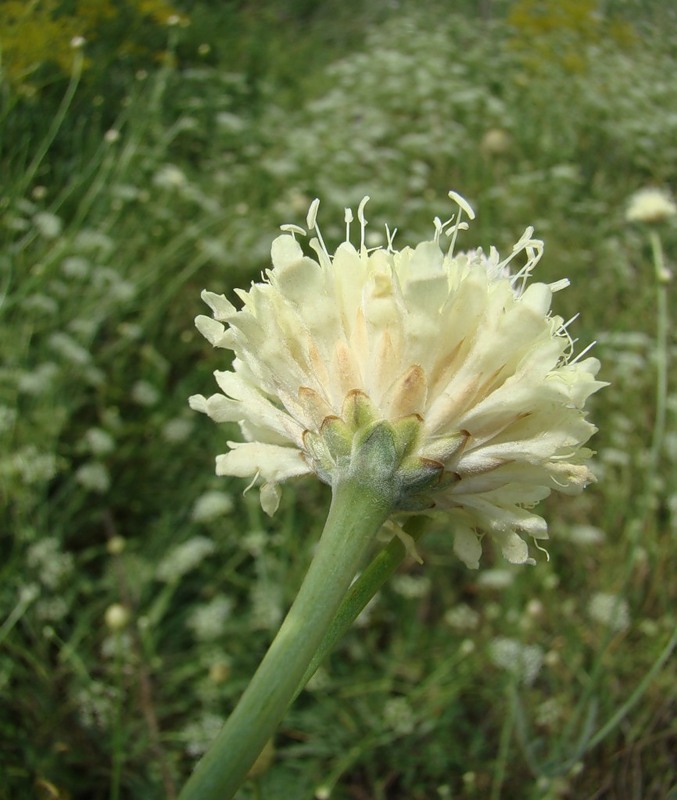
(362,219)
(249,485)
(289,228)
(542,549)
(312,213)
(583,352)
(460,226)
(390,236)
(533,249)
(563,331)
(566,324)
(463,203)
(311,221)
(557,286)
(348,218)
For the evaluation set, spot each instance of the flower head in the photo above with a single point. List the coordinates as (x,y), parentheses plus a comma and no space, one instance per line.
(650,206)
(450,360)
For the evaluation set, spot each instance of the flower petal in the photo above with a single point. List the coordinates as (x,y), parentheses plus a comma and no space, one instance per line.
(272,462)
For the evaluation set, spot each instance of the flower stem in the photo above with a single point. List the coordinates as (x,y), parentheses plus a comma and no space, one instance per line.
(662,332)
(357,512)
(362,591)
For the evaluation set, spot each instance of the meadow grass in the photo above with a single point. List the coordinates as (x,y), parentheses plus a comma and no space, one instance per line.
(532,682)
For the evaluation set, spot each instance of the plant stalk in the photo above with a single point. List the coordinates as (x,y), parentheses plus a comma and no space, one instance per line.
(357,512)
(662,357)
(362,591)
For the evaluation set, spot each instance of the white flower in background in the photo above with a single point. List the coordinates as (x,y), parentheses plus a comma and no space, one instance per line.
(212,505)
(41,303)
(610,610)
(524,661)
(76,267)
(496,579)
(462,617)
(586,535)
(69,349)
(144,393)
(495,142)
(412,587)
(51,609)
(650,205)
(89,240)
(93,475)
(177,430)
(99,442)
(183,558)
(117,617)
(398,716)
(49,225)
(266,606)
(198,735)
(51,565)
(456,352)
(207,621)
(95,705)
(33,466)
(169,177)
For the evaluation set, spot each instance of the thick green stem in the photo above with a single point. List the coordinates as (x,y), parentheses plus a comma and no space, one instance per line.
(357,513)
(363,590)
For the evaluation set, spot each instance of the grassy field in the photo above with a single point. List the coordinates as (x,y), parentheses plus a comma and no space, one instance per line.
(138,591)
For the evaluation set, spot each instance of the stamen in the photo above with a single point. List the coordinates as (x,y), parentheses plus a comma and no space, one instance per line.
(542,549)
(463,203)
(557,286)
(583,352)
(363,220)
(566,324)
(460,226)
(253,481)
(563,330)
(311,217)
(311,221)
(390,236)
(348,218)
(533,249)
(289,228)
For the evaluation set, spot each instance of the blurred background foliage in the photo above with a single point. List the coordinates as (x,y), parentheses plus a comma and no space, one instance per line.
(137,591)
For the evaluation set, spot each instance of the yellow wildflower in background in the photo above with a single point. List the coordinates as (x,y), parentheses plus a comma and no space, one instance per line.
(46,32)
(457,352)
(560,32)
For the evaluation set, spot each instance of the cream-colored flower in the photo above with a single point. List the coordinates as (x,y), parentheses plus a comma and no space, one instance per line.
(117,617)
(454,351)
(650,205)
